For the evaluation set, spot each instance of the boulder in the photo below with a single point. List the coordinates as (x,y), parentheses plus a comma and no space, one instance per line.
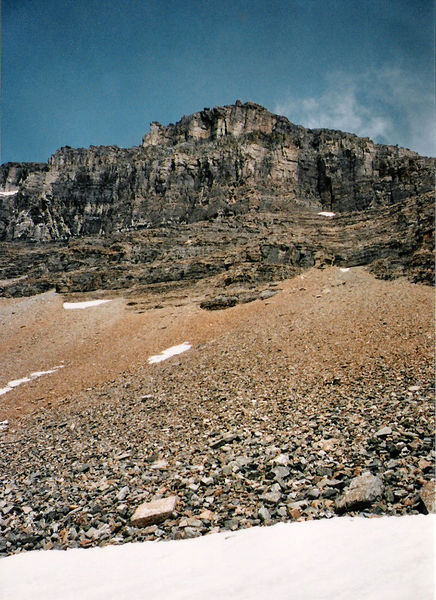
(153,512)
(361,493)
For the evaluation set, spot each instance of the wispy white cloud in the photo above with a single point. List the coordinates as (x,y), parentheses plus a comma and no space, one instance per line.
(388,105)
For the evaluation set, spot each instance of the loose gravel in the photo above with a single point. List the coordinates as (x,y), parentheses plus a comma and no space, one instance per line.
(271,421)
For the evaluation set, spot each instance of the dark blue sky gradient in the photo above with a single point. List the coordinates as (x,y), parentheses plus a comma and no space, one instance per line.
(84,72)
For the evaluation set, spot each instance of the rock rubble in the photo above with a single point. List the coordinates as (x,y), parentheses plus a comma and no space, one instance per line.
(304,406)
(76,477)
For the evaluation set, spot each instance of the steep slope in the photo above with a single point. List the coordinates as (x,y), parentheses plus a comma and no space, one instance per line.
(229,165)
(270,415)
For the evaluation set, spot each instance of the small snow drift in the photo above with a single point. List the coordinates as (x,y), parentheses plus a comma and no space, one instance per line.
(327,214)
(169,352)
(16,382)
(389,558)
(11,193)
(345,269)
(85,304)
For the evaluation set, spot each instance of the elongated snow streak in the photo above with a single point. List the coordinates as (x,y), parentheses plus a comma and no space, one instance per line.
(87,304)
(345,269)
(37,374)
(16,382)
(9,193)
(169,352)
(327,214)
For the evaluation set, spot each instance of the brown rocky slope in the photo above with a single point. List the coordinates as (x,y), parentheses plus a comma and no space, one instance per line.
(274,412)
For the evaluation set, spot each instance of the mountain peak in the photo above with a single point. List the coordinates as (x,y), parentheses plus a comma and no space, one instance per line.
(211,124)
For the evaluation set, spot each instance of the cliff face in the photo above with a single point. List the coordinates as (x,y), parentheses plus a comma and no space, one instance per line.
(223,164)
(225,161)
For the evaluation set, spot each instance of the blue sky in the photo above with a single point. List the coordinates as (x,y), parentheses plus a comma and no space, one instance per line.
(82,72)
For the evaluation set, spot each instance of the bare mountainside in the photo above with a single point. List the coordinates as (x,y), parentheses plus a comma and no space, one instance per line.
(315,402)
(308,395)
(234,191)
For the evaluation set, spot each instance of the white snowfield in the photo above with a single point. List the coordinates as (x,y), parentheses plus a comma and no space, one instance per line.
(85,304)
(12,193)
(169,352)
(325,213)
(388,558)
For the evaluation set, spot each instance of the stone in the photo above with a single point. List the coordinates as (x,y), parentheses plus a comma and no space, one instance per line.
(194,522)
(124,456)
(314,493)
(272,497)
(219,302)
(121,495)
(226,439)
(383,432)
(191,532)
(362,492)
(282,460)
(206,515)
(154,512)
(294,513)
(425,465)
(281,472)
(427,495)
(328,445)
(231,524)
(264,514)
(160,465)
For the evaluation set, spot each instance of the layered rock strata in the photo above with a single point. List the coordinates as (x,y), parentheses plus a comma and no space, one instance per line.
(234,187)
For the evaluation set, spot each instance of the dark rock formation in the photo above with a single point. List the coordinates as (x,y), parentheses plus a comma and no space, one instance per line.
(232,190)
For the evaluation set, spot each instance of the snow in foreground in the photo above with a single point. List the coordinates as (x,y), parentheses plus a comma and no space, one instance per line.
(169,352)
(85,304)
(388,558)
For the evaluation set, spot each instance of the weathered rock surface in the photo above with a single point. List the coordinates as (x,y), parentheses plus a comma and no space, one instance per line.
(233,189)
(154,512)
(428,496)
(362,492)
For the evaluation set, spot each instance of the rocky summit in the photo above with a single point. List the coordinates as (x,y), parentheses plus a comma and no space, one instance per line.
(234,192)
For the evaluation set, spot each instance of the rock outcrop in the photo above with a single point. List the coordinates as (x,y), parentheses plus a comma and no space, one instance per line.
(232,189)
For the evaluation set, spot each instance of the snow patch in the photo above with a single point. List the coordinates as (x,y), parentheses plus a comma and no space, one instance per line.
(9,193)
(389,558)
(86,304)
(16,382)
(169,352)
(37,374)
(327,214)
(345,269)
